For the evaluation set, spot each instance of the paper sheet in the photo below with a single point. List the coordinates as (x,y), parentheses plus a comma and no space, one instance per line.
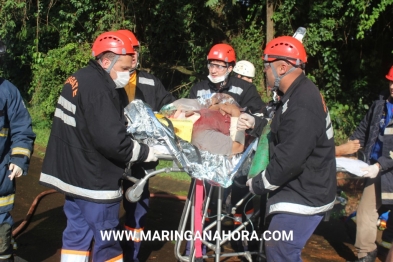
(350,165)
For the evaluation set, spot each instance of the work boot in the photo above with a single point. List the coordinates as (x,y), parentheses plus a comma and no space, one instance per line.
(371,256)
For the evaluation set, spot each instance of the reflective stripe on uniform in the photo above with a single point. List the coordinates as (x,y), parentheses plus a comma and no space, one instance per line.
(5,256)
(385,244)
(92,194)
(4,132)
(299,209)
(236,90)
(146,81)
(249,213)
(237,219)
(7,200)
(74,256)
(67,104)
(21,151)
(69,120)
(388,131)
(386,195)
(119,258)
(201,93)
(136,235)
(266,183)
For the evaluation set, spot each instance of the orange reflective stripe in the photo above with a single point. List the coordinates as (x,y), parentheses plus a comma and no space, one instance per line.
(75,252)
(237,219)
(136,235)
(251,211)
(74,255)
(207,219)
(134,229)
(116,259)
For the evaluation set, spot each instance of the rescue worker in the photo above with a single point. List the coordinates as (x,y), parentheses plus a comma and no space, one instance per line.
(89,149)
(375,135)
(244,70)
(301,175)
(150,90)
(220,61)
(16,146)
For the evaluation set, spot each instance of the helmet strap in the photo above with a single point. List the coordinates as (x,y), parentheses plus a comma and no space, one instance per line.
(277,79)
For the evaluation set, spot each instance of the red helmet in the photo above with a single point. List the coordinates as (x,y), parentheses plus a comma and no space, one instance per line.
(222,52)
(389,76)
(286,48)
(114,42)
(130,36)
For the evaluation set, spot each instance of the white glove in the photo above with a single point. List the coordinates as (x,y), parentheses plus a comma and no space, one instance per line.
(371,171)
(151,157)
(245,121)
(249,184)
(16,171)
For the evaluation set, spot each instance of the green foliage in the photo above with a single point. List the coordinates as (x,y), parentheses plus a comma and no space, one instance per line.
(50,72)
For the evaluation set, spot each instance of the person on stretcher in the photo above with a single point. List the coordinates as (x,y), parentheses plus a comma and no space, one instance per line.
(215,129)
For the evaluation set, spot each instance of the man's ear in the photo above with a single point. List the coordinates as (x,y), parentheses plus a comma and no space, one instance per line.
(230,68)
(105,62)
(283,68)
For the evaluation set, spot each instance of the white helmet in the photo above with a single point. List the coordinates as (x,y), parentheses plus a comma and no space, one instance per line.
(244,68)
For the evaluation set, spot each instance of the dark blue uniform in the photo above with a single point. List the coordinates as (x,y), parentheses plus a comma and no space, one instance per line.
(16,146)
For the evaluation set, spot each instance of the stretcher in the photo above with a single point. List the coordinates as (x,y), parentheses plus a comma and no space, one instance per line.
(209,172)
(207,180)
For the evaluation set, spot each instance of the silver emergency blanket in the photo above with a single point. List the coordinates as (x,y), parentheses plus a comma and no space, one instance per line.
(218,170)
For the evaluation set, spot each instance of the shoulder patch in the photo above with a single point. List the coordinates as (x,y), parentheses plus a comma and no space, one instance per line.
(74,84)
(235,90)
(146,81)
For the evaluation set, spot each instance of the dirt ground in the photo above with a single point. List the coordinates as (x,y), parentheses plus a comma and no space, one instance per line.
(40,240)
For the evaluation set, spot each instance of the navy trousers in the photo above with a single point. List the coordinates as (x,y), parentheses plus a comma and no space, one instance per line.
(85,222)
(280,248)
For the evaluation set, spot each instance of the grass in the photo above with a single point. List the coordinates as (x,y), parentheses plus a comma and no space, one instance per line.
(181,176)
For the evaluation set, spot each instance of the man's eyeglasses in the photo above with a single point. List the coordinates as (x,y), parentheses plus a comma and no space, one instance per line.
(215,66)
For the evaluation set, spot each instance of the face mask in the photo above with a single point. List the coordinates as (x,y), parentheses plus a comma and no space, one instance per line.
(122,79)
(218,79)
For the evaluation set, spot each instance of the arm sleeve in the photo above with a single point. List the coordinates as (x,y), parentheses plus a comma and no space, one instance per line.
(260,123)
(361,132)
(22,135)
(108,130)
(193,92)
(297,141)
(252,100)
(163,97)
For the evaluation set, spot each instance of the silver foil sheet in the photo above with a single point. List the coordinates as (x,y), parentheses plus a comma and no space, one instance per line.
(218,170)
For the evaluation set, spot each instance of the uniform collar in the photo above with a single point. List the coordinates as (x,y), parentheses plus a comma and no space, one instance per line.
(292,87)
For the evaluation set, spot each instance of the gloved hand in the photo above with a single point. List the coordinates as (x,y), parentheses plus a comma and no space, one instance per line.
(151,157)
(16,171)
(372,171)
(245,121)
(249,184)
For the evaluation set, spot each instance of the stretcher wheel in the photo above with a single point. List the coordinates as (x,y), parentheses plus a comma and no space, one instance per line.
(131,194)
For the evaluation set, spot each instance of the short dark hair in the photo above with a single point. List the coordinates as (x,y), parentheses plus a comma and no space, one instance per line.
(108,55)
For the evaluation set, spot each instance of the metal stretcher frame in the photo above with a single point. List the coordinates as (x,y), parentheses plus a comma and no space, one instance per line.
(189,208)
